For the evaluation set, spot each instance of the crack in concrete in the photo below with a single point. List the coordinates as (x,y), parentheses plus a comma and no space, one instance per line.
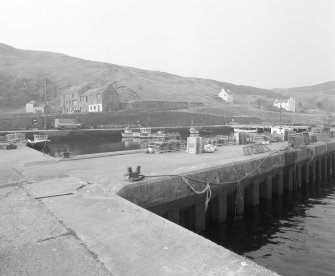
(83,186)
(10,192)
(12,184)
(55,237)
(69,232)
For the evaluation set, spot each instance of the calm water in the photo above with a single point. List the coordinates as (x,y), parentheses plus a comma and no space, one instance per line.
(95,143)
(294,237)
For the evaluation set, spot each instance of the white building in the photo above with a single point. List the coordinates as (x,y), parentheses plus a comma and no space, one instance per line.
(288,105)
(34,107)
(226,95)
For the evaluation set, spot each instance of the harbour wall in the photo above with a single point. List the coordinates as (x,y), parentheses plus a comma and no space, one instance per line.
(119,119)
(232,187)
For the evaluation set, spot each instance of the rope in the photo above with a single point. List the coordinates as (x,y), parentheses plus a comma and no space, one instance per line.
(206,190)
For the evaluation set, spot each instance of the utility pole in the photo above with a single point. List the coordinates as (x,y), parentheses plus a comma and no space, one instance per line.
(45,103)
(280,115)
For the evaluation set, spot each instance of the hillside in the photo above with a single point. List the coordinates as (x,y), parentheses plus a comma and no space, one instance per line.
(320,95)
(22,75)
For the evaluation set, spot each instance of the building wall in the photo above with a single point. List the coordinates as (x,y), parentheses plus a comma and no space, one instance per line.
(39,109)
(69,102)
(95,108)
(226,96)
(30,108)
(153,105)
(288,105)
(110,100)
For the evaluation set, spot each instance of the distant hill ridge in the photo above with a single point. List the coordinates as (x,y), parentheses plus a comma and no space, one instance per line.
(23,73)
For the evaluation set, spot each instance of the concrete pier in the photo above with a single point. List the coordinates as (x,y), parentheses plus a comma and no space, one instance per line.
(126,228)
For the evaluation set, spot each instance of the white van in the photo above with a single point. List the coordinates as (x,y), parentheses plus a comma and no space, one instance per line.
(67,124)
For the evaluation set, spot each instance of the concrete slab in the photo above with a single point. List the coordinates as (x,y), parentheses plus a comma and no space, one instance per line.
(25,220)
(10,177)
(18,157)
(55,186)
(130,240)
(62,255)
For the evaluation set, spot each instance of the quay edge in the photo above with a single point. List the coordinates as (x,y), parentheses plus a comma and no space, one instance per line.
(125,238)
(274,173)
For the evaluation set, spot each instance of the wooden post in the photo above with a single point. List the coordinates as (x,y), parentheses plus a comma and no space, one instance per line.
(290,178)
(330,167)
(312,165)
(222,206)
(253,194)
(320,168)
(325,166)
(200,217)
(266,191)
(278,185)
(239,200)
(298,178)
(173,215)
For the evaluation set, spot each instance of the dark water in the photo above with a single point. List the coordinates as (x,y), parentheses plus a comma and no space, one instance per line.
(95,143)
(296,236)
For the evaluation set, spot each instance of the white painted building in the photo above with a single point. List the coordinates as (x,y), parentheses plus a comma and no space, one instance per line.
(34,107)
(95,108)
(288,105)
(226,95)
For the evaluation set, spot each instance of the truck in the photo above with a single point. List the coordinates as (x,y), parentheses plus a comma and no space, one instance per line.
(67,124)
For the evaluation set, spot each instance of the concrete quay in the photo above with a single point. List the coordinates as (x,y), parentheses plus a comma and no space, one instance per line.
(93,230)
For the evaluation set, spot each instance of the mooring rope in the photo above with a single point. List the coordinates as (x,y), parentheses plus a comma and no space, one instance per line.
(206,190)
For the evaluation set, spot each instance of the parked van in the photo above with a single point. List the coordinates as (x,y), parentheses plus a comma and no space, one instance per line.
(67,124)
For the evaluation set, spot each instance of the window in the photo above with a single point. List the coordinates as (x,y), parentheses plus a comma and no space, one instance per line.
(99,96)
(94,107)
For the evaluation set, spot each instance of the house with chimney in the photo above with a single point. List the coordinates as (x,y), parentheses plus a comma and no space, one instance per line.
(226,95)
(84,98)
(287,104)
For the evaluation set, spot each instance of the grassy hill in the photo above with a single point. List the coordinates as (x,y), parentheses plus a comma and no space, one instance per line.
(23,74)
(320,95)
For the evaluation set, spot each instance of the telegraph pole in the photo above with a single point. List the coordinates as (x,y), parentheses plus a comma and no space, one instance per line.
(280,115)
(45,103)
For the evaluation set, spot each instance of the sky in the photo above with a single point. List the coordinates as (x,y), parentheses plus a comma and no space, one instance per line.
(262,43)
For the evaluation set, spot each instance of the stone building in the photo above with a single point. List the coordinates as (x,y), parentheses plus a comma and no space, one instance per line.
(84,98)
(70,98)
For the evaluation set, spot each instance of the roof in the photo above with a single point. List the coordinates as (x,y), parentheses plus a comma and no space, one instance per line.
(227,91)
(80,89)
(32,102)
(100,90)
(280,101)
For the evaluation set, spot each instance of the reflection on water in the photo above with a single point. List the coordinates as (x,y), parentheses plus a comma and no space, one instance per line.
(130,143)
(292,236)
